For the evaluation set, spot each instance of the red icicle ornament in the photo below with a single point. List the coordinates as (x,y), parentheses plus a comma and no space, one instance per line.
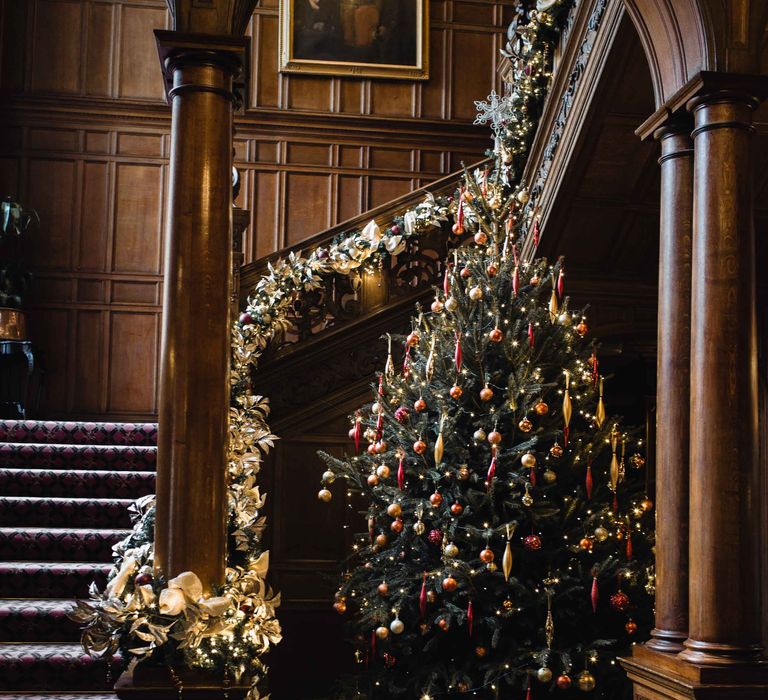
(372,528)
(536,232)
(491,471)
(457,354)
(373,643)
(400,475)
(423,597)
(447,280)
(629,545)
(381,385)
(561,282)
(358,433)
(595,594)
(516,281)
(529,693)
(532,476)
(379,426)
(470,617)
(588,481)
(566,433)
(594,363)
(531,338)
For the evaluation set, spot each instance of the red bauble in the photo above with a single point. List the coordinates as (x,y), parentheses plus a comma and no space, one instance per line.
(412,339)
(620,601)
(371,449)
(457,509)
(494,437)
(419,447)
(456,391)
(486,393)
(420,405)
(340,607)
(381,540)
(401,414)
(465,273)
(381,447)
(442,623)
(435,536)
(492,270)
(397,525)
(532,543)
(458,229)
(582,329)
(435,499)
(496,335)
(586,544)
(143,579)
(450,584)
(383,589)
(486,556)
(245,319)
(480,651)
(563,682)
(631,627)
(541,408)
(395,230)
(481,238)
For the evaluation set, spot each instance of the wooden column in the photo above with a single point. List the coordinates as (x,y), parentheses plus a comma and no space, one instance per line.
(672,393)
(194,364)
(724,620)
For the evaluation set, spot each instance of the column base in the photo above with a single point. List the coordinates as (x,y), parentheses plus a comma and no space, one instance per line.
(147,682)
(661,676)
(708,654)
(667,641)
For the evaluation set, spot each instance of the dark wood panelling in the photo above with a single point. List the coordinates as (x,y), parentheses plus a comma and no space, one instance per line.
(85,142)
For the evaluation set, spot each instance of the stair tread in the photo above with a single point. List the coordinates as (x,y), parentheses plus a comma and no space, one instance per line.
(30,563)
(68,499)
(44,604)
(42,650)
(59,696)
(116,532)
(78,432)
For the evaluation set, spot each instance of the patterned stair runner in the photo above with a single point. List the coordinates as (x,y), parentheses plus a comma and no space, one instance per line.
(64,492)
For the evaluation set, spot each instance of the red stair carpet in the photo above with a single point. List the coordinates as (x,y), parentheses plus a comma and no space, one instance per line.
(64,492)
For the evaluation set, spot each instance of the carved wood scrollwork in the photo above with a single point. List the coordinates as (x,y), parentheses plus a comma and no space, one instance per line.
(343,299)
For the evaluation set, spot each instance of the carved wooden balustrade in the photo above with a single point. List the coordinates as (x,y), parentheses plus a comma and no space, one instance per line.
(395,284)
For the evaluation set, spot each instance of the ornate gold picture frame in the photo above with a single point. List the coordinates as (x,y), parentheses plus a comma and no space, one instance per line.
(364,38)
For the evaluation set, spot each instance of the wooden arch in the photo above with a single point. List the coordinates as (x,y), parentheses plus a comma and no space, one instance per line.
(681,38)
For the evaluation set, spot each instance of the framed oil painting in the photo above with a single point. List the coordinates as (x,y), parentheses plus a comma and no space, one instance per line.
(365,38)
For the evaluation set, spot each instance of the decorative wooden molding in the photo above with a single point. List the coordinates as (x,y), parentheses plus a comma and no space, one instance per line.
(566,111)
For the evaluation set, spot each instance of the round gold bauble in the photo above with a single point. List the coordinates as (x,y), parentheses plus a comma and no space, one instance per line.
(383,471)
(601,534)
(394,510)
(463,473)
(451,550)
(456,391)
(451,304)
(373,480)
(382,632)
(528,460)
(476,293)
(541,408)
(328,477)
(525,425)
(381,540)
(550,477)
(479,435)
(544,675)
(396,626)
(586,682)
(437,306)
(556,451)
(324,495)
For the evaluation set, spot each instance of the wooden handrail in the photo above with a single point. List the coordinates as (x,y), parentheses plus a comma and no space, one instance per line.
(251,272)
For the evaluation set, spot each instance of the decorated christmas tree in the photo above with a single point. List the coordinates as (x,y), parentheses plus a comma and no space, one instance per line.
(509,543)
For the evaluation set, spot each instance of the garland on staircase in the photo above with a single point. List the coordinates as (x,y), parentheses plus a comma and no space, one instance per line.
(144,616)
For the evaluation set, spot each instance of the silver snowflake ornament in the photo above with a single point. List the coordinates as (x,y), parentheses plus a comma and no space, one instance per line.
(496,110)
